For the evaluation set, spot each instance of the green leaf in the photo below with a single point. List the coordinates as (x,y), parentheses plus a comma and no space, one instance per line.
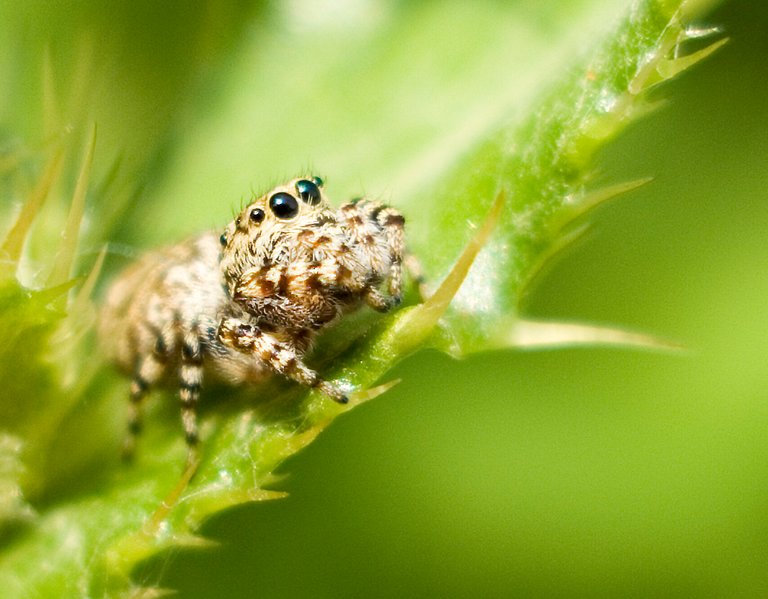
(492,163)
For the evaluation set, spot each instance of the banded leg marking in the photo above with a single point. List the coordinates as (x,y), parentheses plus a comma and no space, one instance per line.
(280,357)
(393,223)
(148,372)
(190,383)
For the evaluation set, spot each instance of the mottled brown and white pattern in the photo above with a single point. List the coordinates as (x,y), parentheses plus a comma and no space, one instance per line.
(248,304)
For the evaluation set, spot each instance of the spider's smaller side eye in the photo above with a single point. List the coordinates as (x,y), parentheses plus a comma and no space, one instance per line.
(308,191)
(257,215)
(223,240)
(318,181)
(284,205)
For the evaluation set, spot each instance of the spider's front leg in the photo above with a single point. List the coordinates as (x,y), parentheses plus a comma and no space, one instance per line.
(365,220)
(280,356)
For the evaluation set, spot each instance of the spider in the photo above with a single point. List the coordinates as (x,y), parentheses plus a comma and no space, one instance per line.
(247,304)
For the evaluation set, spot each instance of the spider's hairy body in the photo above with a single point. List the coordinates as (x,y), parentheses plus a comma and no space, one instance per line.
(245,305)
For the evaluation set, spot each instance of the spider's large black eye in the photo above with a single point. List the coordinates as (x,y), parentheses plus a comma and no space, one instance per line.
(308,191)
(284,205)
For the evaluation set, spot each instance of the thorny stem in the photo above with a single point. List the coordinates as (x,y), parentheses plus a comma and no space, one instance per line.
(419,323)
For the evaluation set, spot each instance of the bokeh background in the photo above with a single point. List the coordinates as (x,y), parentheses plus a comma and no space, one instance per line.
(583,472)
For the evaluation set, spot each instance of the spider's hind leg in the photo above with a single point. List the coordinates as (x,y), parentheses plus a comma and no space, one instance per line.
(149,370)
(190,383)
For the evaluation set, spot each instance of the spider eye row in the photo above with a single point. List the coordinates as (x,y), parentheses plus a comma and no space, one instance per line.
(283,205)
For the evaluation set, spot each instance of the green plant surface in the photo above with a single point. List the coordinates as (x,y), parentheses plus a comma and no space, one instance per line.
(492,158)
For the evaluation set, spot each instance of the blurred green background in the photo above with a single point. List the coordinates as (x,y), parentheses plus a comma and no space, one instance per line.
(585,472)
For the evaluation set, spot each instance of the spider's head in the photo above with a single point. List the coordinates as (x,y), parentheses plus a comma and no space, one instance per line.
(270,226)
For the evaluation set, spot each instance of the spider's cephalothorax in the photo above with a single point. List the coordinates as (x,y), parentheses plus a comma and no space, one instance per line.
(294,263)
(247,304)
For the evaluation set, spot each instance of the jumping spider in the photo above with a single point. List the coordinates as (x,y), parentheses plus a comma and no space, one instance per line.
(244,305)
